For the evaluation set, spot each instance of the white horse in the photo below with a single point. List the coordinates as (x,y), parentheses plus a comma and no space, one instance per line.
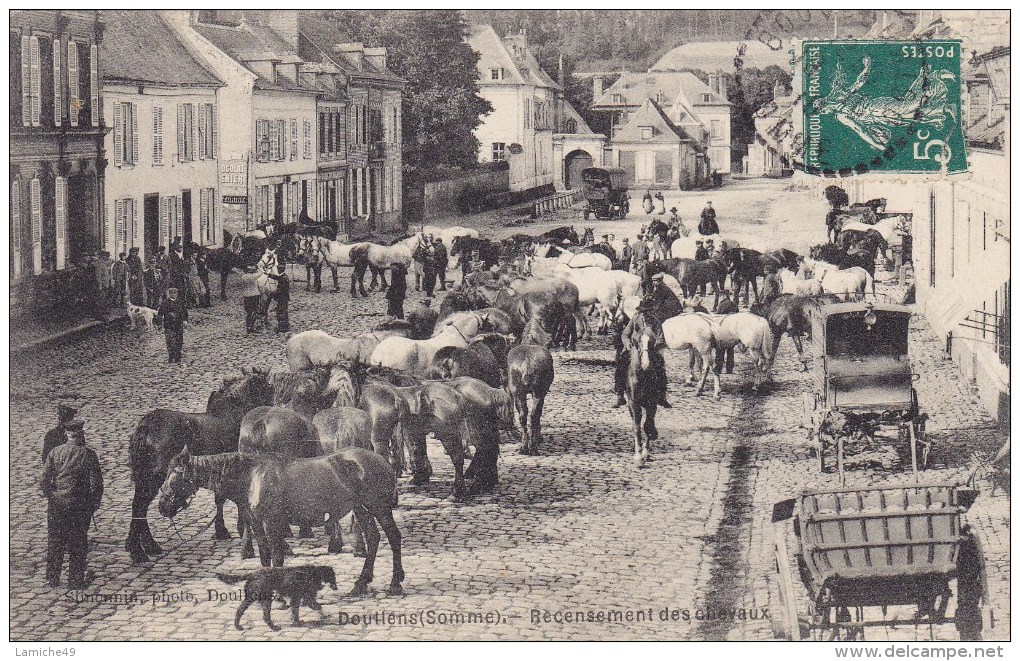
(694,332)
(749,333)
(332,254)
(794,284)
(315,347)
(586,260)
(603,289)
(892,229)
(415,356)
(851,283)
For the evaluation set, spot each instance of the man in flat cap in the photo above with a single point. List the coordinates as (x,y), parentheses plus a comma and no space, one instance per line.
(174,316)
(55,436)
(72,482)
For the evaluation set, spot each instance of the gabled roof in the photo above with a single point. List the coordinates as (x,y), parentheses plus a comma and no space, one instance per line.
(320,36)
(651,115)
(251,42)
(635,87)
(140,47)
(570,113)
(522,69)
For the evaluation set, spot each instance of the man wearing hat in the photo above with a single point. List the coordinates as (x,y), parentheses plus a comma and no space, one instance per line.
(423,320)
(626,255)
(136,287)
(251,296)
(72,482)
(397,291)
(55,436)
(282,295)
(640,254)
(174,316)
(700,253)
(664,301)
(771,286)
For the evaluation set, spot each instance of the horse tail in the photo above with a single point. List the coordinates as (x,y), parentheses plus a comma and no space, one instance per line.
(231,579)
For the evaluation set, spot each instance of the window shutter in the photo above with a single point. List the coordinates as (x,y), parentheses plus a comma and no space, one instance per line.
(274,141)
(16,226)
(36,193)
(282,133)
(72,82)
(136,226)
(293,139)
(94,86)
(118,134)
(203,214)
(134,133)
(58,88)
(203,129)
(308,139)
(178,228)
(26,81)
(163,222)
(118,222)
(157,135)
(180,132)
(215,130)
(36,82)
(193,152)
(61,225)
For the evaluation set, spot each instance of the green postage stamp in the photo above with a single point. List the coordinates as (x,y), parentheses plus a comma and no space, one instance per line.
(883,106)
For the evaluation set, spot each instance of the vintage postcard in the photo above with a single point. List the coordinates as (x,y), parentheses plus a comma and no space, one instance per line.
(509,325)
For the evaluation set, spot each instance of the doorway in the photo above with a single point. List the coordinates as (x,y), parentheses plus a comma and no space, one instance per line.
(574,163)
(278,203)
(150,218)
(186,221)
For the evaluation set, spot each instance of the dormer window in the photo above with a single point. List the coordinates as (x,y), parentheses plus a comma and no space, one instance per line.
(658,97)
(646,132)
(617,98)
(494,73)
(706,97)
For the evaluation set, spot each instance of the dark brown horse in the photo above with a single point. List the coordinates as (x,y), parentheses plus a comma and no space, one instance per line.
(644,388)
(476,360)
(745,267)
(489,410)
(530,371)
(162,433)
(693,274)
(274,492)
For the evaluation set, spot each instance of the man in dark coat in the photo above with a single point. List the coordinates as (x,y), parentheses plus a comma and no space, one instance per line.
(135,284)
(202,267)
(174,316)
(56,436)
(442,261)
(252,298)
(119,273)
(72,482)
(423,320)
(427,258)
(726,305)
(708,225)
(282,296)
(700,253)
(771,286)
(397,292)
(626,255)
(664,302)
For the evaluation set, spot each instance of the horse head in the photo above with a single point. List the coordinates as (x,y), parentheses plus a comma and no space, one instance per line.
(179,487)
(247,391)
(643,343)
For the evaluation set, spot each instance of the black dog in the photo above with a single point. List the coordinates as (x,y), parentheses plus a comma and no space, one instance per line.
(295,583)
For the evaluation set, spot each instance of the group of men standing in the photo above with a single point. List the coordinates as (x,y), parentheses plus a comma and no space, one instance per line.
(431,254)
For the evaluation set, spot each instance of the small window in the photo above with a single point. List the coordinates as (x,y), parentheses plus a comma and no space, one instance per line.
(706,97)
(716,128)
(617,98)
(646,132)
(494,73)
(499,151)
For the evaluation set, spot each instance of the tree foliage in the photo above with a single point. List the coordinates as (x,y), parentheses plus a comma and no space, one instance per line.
(441,104)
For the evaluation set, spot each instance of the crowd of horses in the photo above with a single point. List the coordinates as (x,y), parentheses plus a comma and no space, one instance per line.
(331,435)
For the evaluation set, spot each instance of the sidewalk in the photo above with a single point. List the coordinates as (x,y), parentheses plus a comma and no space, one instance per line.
(32,334)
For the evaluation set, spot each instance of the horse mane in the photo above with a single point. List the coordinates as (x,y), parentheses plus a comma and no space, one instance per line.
(233,393)
(216,469)
(346,378)
(535,333)
(288,384)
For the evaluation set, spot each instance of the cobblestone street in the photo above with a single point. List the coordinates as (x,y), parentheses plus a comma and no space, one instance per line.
(578,528)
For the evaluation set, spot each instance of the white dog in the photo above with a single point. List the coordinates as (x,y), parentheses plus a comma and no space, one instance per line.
(136,312)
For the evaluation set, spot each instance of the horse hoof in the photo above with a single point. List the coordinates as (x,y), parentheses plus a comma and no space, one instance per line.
(419,480)
(395,589)
(221,535)
(358,590)
(247,554)
(334,549)
(457,498)
(152,548)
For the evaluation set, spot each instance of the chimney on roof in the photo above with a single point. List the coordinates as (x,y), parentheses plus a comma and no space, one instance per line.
(283,22)
(376,57)
(597,83)
(354,52)
(721,82)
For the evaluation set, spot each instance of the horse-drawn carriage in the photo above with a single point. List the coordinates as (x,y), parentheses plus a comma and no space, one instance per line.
(877,557)
(605,189)
(864,380)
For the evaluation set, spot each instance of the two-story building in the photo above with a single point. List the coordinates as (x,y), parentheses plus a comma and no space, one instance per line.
(267,159)
(56,145)
(701,110)
(162,177)
(524,100)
